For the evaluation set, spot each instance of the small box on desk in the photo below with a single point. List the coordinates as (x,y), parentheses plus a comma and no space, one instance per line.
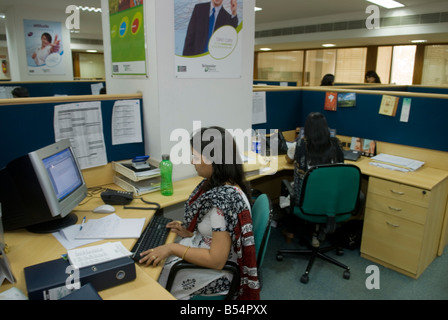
(48,280)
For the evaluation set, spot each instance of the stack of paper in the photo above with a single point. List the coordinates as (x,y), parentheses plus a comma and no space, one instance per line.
(111,227)
(84,257)
(395,163)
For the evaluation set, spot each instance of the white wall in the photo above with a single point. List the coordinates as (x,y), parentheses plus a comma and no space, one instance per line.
(16,42)
(171,103)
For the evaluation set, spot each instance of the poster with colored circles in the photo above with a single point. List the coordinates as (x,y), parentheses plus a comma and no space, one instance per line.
(127,37)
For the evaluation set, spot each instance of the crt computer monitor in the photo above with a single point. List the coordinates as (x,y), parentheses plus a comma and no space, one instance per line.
(39,190)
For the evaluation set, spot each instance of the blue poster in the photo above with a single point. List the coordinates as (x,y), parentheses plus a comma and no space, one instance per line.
(44,49)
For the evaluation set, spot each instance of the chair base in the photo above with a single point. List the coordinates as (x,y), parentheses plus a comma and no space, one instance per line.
(315,252)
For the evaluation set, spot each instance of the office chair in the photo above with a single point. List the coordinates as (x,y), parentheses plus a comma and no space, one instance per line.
(261,222)
(329,195)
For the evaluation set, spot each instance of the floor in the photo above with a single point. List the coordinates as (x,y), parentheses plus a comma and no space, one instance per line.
(281,279)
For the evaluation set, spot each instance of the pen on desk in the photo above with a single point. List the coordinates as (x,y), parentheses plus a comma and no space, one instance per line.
(82,223)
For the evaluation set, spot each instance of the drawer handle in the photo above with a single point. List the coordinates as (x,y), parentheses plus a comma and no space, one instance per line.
(392,225)
(395,209)
(397,192)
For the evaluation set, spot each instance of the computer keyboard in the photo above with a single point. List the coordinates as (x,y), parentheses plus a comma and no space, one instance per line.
(153,235)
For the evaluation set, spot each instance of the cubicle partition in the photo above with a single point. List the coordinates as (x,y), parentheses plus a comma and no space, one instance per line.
(425,128)
(52,88)
(26,125)
(282,109)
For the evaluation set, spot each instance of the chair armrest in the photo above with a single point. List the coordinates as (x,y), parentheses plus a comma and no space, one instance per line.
(230,266)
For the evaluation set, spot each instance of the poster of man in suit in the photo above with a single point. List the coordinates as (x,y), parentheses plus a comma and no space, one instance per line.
(208,38)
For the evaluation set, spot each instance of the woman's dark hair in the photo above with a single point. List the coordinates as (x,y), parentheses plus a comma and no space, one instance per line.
(373,74)
(327,80)
(320,148)
(20,92)
(223,153)
(47,35)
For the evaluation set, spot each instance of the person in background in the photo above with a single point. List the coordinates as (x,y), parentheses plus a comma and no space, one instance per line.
(20,92)
(218,224)
(372,77)
(327,80)
(315,148)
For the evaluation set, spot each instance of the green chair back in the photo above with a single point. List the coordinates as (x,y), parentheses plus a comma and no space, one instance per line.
(261,221)
(329,190)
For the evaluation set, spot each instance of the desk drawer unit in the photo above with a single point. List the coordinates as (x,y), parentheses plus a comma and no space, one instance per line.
(396,230)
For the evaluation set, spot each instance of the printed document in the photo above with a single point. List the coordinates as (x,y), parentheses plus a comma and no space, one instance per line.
(84,257)
(126,122)
(82,123)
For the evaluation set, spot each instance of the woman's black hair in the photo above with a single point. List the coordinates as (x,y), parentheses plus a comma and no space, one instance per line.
(223,153)
(327,80)
(47,35)
(373,74)
(318,140)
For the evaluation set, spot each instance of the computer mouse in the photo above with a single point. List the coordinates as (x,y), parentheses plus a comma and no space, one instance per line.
(105,208)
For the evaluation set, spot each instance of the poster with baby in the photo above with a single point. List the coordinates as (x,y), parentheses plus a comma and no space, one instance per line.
(44,51)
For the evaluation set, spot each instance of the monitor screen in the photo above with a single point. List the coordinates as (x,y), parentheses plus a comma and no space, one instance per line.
(63,173)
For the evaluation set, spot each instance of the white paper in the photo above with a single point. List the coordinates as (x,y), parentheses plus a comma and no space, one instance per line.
(13,294)
(126,122)
(405,110)
(111,227)
(96,87)
(395,162)
(67,237)
(84,257)
(259,107)
(82,123)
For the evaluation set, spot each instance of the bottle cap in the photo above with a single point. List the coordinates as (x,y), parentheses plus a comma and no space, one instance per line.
(165,157)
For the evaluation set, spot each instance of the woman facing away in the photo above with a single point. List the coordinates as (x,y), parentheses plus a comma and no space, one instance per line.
(218,224)
(315,148)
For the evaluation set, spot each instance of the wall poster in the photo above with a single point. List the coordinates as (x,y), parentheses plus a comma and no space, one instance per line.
(208,38)
(127,35)
(44,48)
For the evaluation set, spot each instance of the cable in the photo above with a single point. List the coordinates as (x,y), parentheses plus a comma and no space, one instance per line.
(156,208)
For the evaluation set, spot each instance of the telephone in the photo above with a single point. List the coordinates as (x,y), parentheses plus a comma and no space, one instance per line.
(117,197)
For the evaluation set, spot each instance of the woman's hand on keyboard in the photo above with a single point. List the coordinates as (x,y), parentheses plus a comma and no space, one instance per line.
(178,228)
(156,255)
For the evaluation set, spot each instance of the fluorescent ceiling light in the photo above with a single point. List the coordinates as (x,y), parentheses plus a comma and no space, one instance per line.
(388,4)
(91,50)
(327,45)
(2,16)
(89,9)
(419,41)
(265,49)
(257,9)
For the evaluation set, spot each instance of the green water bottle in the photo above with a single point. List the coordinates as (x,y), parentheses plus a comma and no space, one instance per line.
(166,172)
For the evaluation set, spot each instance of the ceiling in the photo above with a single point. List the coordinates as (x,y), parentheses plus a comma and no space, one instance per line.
(279,14)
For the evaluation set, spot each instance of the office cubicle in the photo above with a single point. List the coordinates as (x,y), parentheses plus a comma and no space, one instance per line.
(56,88)
(288,108)
(26,124)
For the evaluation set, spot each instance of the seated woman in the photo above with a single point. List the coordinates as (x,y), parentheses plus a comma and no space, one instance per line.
(316,147)
(219,224)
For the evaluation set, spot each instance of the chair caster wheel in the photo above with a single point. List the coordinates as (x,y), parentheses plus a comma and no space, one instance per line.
(304,278)
(346,274)
(279,257)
